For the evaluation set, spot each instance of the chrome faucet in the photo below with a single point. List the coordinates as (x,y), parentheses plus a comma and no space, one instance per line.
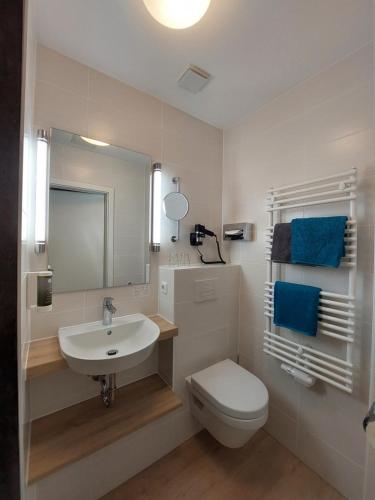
(108,310)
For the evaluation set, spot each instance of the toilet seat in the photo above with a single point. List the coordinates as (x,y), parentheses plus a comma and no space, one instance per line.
(232,391)
(235,423)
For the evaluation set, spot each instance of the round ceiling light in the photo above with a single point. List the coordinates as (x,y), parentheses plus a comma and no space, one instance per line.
(177,14)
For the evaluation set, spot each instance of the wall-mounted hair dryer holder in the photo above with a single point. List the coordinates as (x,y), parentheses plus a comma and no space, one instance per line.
(238,231)
(196,240)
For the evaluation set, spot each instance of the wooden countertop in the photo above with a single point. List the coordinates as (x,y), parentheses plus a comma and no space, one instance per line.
(44,355)
(66,436)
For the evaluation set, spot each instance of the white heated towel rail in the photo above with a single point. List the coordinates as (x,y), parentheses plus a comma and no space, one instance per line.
(336,315)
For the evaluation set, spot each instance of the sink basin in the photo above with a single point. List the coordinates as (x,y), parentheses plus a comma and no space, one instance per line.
(96,349)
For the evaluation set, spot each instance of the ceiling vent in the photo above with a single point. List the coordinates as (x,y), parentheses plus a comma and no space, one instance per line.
(194,79)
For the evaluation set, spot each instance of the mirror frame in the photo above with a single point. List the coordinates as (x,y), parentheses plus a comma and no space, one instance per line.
(51,180)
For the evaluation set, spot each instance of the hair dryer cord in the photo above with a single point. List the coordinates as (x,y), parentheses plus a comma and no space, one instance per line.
(221,261)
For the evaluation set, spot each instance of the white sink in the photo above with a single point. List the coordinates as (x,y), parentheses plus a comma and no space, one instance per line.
(96,349)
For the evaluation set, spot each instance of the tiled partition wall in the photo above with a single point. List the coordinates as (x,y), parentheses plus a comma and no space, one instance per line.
(208,329)
(322,126)
(76,98)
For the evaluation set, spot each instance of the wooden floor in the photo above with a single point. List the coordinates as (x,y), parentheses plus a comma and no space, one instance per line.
(203,469)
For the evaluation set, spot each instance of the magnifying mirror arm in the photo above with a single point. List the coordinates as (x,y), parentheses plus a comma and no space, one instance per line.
(174,238)
(176,206)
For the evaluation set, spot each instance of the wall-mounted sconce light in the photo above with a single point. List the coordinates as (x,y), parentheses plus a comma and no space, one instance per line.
(156,207)
(41,191)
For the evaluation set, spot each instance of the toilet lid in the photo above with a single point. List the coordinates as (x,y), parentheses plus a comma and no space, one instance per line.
(232,389)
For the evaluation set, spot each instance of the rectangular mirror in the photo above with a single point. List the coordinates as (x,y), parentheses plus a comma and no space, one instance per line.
(99,214)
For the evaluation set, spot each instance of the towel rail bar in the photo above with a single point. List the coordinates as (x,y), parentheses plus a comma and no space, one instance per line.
(322,310)
(350,174)
(312,203)
(321,301)
(330,365)
(305,362)
(343,263)
(310,196)
(350,222)
(336,311)
(337,183)
(327,333)
(322,293)
(324,317)
(309,349)
(345,371)
(310,372)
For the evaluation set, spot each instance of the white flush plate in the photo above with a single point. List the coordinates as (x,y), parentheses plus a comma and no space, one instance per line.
(205,289)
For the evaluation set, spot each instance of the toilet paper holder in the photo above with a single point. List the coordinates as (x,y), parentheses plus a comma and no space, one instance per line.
(370,417)
(238,231)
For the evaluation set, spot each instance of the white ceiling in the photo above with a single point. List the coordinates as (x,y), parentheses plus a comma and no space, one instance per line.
(254,49)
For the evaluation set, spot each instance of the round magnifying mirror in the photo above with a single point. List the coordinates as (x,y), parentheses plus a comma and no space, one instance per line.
(175,206)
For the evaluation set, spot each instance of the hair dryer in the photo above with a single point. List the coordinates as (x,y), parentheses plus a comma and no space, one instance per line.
(196,240)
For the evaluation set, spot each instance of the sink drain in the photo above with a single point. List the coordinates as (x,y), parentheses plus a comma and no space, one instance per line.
(112,352)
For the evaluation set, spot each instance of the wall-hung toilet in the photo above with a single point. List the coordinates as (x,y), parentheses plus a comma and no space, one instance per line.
(230,402)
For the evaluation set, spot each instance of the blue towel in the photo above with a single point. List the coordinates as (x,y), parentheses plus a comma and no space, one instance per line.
(296,307)
(318,241)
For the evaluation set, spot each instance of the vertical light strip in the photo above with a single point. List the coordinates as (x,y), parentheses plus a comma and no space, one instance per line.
(25,189)
(41,190)
(156,207)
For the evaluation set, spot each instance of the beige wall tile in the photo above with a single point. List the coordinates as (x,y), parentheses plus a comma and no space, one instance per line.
(282,427)
(58,108)
(79,99)
(125,128)
(111,92)
(63,72)
(47,324)
(343,474)
(346,414)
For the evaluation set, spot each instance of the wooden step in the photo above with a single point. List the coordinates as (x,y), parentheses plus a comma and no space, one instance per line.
(75,432)
(44,355)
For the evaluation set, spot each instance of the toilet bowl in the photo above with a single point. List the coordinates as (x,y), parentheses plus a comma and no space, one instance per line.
(230,402)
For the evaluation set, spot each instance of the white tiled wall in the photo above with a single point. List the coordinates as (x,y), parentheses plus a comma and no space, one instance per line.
(322,126)
(76,98)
